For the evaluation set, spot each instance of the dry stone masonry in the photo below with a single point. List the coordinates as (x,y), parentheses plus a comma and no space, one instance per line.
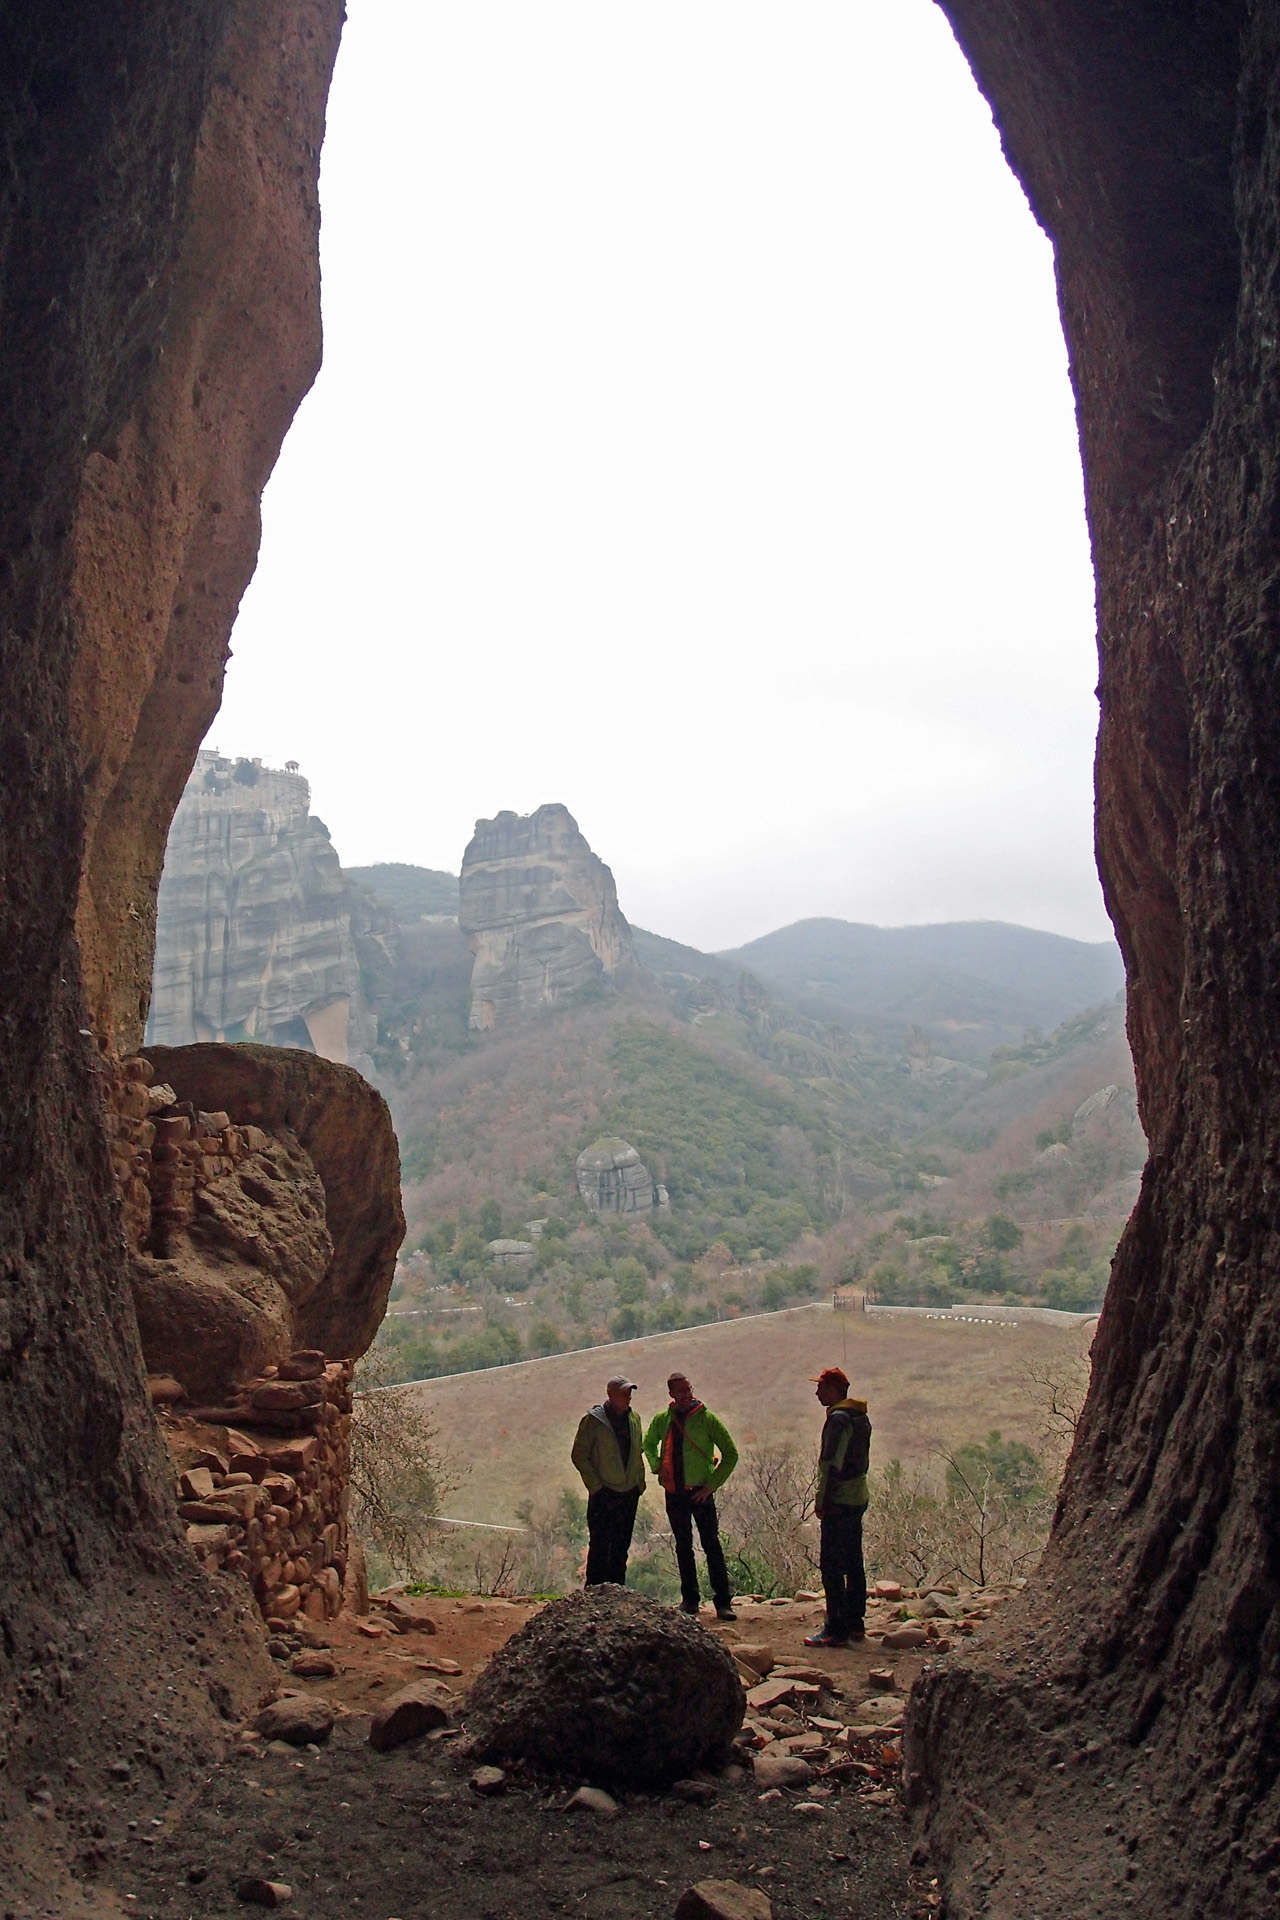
(226,1225)
(263,1485)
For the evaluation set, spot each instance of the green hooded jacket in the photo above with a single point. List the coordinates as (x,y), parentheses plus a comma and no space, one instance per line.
(704,1437)
(598,1457)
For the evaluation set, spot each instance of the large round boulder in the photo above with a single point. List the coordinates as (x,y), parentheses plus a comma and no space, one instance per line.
(606,1685)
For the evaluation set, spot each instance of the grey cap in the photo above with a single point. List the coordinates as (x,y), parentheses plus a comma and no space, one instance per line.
(619,1380)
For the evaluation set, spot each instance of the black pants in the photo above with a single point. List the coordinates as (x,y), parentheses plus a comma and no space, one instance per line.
(683,1512)
(844,1577)
(610,1520)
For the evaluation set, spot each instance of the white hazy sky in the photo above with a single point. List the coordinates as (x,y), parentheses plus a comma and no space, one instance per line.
(694,445)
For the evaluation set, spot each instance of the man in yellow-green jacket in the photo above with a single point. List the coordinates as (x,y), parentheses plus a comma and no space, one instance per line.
(608,1453)
(691,1453)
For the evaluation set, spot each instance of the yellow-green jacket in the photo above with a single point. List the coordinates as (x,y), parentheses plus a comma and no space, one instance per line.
(704,1437)
(598,1457)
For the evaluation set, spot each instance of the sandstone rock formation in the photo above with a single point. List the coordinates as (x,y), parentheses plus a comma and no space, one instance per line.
(342,1127)
(542,915)
(1148,142)
(159,322)
(166,525)
(612,1178)
(608,1686)
(254,936)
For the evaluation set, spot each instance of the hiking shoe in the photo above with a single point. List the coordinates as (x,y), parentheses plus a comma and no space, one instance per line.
(692,1611)
(825,1639)
(725,1613)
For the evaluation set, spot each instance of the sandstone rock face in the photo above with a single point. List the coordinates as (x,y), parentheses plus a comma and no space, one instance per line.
(1148,143)
(167,524)
(541,912)
(342,1129)
(612,1178)
(159,321)
(254,937)
(608,1685)
(220,1299)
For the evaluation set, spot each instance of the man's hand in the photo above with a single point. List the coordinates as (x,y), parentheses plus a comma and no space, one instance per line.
(700,1494)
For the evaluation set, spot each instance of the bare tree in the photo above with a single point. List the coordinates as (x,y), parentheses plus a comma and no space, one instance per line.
(767,1514)
(400,1473)
(1056,1386)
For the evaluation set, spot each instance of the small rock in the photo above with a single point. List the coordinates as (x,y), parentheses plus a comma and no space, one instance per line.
(372,1629)
(305,1364)
(438,1666)
(407,1715)
(263,1893)
(313,1665)
(887,1589)
(119,1769)
(279,1649)
(781,1770)
(754,1654)
(298,1718)
(164,1390)
(487,1780)
(901,1638)
(882,1677)
(770,1693)
(770,1793)
(698,1793)
(592,1800)
(806,1596)
(723,1900)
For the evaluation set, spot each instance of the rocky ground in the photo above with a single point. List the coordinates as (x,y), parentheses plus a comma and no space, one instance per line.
(401,1834)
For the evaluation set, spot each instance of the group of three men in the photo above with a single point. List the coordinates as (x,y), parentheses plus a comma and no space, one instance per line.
(691,1454)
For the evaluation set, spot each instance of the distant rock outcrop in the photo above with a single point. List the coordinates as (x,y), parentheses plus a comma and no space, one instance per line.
(541,912)
(258,931)
(612,1178)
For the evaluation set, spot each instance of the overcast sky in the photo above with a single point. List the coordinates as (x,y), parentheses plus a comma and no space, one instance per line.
(694,446)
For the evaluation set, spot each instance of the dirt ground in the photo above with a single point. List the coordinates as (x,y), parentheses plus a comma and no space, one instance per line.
(403,1836)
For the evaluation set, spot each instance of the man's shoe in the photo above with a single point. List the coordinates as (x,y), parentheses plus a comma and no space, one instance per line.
(825,1639)
(725,1613)
(692,1611)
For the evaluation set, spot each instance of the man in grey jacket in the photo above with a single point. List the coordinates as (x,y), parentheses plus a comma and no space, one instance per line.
(608,1454)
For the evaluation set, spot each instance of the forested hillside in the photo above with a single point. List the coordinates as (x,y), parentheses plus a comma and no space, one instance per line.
(799,1151)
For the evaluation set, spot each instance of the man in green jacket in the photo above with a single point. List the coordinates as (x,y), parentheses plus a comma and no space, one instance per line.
(840,1500)
(609,1454)
(682,1446)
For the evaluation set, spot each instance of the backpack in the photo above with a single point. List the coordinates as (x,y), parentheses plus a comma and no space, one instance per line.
(857,1456)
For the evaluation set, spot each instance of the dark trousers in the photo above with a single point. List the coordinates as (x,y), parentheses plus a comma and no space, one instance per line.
(844,1577)
(684,1512)
(610,1519)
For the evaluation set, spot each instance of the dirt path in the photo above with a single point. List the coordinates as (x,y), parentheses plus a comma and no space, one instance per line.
(403,1836)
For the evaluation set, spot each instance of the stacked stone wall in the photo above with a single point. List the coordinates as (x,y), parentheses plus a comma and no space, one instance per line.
(163,1149)
(268,1504)
(263,1479)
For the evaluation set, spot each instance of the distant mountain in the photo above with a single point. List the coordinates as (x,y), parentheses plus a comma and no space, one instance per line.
(409,892)
(975,983)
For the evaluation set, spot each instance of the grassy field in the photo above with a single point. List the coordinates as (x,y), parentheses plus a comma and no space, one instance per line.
(928,1384)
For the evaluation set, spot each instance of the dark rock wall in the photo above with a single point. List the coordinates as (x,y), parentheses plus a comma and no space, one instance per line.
(102,107)
(1143,1680)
